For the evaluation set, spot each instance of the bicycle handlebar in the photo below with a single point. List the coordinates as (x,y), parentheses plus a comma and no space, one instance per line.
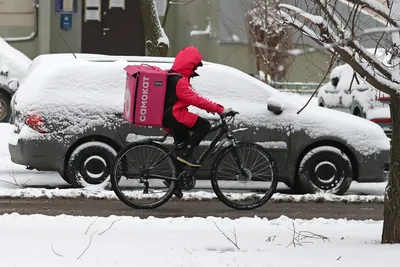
(229,114)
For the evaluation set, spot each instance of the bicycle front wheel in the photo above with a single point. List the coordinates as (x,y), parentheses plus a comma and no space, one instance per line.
(141,175)
(244,191)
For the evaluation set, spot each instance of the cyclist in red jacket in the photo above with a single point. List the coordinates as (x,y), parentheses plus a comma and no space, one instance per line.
(180,94)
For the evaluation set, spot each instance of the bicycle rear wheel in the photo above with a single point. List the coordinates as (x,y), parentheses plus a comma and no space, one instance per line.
(260,180)
(132,173)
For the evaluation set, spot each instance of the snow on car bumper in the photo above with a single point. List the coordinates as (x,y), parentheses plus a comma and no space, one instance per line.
(374,170)
(38,154)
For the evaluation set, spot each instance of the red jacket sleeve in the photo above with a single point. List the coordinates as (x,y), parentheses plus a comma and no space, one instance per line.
(187,93)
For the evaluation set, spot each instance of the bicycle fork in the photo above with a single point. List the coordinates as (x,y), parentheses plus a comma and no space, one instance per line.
(236,156)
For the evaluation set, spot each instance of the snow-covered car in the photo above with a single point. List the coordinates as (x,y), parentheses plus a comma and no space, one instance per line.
(353,95)
(68,118)
(13,66)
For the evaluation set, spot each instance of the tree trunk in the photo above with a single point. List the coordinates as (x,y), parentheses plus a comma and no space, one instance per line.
(156,40)
(391,216)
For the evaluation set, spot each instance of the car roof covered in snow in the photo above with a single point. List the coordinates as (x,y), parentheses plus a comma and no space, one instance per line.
(92,74)
(13,62)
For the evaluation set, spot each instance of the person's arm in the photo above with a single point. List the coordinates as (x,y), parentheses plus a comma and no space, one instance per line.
(186,92)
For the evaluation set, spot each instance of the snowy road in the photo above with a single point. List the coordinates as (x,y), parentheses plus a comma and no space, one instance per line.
(175,208)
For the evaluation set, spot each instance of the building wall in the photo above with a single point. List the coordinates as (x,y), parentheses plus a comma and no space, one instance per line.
(196,16)
(72,36)
(309,67)
(48,39)
(15,25)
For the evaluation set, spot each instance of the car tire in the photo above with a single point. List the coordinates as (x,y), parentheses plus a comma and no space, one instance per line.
(325,169)
(5,107)
(89,165)
(321,102)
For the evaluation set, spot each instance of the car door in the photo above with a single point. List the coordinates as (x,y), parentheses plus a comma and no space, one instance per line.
(238,90)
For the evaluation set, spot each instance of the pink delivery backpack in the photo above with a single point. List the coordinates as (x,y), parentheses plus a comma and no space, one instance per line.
(144,95)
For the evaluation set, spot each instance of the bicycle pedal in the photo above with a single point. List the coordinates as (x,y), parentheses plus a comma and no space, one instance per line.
(178,193)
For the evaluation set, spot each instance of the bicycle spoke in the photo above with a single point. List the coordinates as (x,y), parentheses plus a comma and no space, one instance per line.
(139,186)
(260,177)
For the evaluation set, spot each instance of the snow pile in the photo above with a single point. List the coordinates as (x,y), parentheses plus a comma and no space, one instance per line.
(13,63)
(119,241)
(201,195)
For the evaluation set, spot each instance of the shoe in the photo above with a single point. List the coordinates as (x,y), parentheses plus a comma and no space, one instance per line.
(188,160)
(177,190)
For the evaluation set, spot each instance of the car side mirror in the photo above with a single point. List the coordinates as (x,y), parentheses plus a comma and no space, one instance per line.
(13,84)
(274,106)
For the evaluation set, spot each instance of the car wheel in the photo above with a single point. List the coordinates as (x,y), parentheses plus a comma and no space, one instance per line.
(325,169)
(89,165)
(5,108)
(321,102)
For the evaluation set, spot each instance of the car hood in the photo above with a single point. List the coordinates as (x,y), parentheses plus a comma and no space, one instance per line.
(363,135)
(318,123)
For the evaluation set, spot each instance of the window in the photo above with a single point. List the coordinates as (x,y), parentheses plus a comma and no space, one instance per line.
(17,18)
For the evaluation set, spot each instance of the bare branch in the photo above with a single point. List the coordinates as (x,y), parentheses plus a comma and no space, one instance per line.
(299,238)
(110,226)
(87,229)
(331,64)
(378,8)
(288,20)
(368,66)
(55,251)
(370,58)
(188,251)
(87,247)
(227,237)
(181,4)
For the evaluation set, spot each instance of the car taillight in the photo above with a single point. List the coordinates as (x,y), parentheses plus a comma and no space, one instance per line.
(35,121)
(382,120)
(383,98)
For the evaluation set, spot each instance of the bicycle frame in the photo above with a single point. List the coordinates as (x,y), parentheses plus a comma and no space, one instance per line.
(224,130)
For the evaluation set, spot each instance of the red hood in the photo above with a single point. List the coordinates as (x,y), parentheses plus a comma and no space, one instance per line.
(186,60)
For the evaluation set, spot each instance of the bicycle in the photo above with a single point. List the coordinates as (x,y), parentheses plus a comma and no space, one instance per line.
(176,178)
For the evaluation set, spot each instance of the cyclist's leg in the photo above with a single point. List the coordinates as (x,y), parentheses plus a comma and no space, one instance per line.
(180,132)
(200,129)
(181,135)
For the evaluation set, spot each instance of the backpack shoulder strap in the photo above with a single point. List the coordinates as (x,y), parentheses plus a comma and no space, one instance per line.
(172,72)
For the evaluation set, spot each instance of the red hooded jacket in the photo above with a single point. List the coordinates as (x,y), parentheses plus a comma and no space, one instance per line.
(185,63)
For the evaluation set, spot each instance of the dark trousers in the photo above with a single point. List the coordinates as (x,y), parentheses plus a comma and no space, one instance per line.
(181,132)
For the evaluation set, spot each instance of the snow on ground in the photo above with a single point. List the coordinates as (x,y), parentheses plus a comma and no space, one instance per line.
(16,181)
(130,241)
